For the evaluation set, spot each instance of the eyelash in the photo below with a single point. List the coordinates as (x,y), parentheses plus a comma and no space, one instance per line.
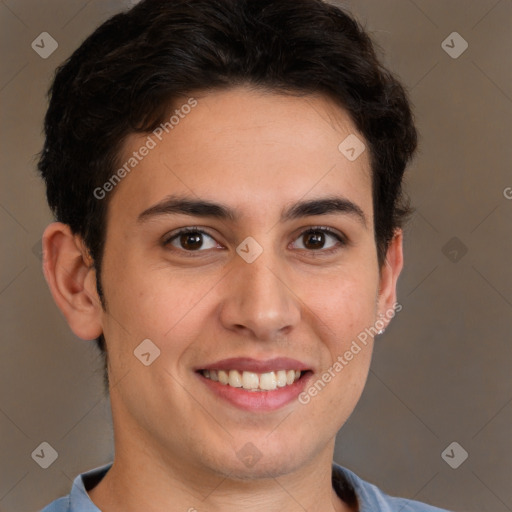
(342,242)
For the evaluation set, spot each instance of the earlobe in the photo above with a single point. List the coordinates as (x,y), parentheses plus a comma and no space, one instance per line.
(69,273)
(390,272)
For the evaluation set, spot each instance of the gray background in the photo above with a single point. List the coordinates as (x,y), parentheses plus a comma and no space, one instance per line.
(441,373)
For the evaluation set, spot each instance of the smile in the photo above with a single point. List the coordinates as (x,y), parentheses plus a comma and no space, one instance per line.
(252,381)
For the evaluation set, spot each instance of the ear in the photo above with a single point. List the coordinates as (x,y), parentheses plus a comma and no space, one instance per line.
(388,278)
(71,277)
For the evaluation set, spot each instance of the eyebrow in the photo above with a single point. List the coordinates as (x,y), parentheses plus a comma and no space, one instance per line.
(176,205)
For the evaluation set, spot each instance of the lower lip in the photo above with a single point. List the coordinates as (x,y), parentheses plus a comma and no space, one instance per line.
(258,400)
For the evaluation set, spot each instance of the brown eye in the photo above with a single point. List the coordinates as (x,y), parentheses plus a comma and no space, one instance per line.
(190,240)
(321,238)
(314,240)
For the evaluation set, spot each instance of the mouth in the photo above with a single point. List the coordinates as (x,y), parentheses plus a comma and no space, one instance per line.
(252,381)
(254,385)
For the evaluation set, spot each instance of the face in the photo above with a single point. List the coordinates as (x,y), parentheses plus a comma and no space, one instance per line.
(241,244)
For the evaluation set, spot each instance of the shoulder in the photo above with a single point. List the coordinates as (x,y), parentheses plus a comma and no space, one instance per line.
(78,500)
(60,505)
(372,499)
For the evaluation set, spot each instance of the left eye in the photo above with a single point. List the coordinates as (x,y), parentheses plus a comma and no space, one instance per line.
(190,240)
(315,239)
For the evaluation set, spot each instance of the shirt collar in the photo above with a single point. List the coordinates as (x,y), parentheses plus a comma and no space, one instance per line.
(80,500)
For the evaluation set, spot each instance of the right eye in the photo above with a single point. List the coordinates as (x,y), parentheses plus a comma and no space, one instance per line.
(189,240)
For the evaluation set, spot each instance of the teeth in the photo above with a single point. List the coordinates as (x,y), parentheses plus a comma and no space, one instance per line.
(268,381)
(223,377)
(252,381)
(281,378)
(235,379)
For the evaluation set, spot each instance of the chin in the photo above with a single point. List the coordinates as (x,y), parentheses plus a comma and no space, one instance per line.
(261,470)
(251,463)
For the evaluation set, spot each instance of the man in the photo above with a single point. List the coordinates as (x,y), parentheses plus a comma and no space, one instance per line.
(226,177)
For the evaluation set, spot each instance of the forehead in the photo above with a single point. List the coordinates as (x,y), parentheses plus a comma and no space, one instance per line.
(248,149)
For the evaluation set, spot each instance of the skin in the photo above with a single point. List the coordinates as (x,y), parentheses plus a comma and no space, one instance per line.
(176,443)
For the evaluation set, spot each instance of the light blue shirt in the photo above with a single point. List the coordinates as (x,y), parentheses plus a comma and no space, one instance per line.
(369,497)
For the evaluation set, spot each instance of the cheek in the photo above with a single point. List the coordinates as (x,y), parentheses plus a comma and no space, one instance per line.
(345,310)
(345,299)
(348,348)
(156,303)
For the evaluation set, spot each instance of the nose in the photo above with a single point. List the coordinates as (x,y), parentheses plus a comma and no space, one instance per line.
(258,299)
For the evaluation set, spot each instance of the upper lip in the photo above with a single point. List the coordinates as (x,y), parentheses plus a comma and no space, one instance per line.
(248,364)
